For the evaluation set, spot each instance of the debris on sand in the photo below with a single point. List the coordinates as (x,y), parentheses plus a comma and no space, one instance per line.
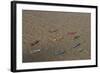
(77,45)
(35,42)
(35,51)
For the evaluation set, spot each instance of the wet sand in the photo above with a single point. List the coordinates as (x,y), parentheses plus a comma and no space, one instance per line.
(55,36)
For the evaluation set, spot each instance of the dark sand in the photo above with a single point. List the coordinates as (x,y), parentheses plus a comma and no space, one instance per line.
(55,36)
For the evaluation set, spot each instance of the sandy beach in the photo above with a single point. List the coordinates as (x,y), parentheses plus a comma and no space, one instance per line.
(55,36)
